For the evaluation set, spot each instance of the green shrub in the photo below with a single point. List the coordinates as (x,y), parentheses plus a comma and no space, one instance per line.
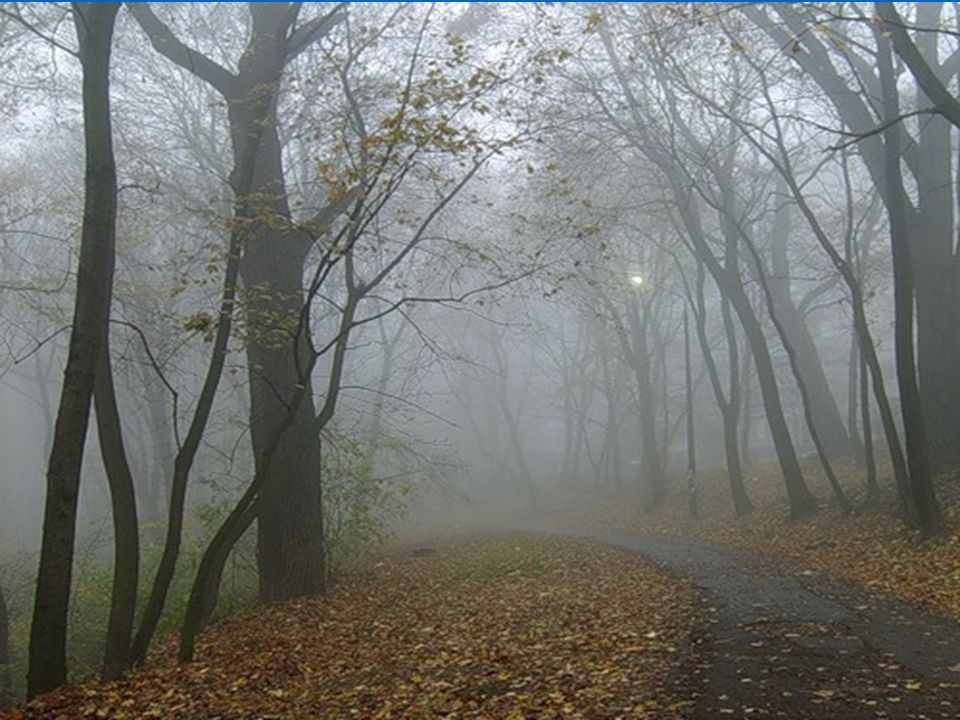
(358,509)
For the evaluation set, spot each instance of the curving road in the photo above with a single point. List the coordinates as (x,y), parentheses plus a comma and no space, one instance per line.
(799,645)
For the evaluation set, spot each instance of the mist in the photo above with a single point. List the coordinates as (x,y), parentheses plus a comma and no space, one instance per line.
(287,286)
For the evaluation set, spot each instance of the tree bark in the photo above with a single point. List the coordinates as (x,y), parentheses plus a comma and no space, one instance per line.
(923,496)
(6,684)
(290,525)
(691,438)
(94,24)
(936,272)
(869,457)
(746,422)
(853,400)
(126,531)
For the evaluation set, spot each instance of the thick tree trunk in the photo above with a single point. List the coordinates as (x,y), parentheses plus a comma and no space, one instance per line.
(290,554)
(203,594)
(290,533)
(48,632)
(936,271)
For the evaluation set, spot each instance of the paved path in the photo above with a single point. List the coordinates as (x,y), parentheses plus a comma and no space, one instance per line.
(788,645)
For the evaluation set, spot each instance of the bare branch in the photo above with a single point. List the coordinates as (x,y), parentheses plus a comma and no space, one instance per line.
(947,105)
(302,37)
(172,48)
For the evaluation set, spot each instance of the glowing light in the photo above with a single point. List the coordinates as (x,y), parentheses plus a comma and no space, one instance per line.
(636,280)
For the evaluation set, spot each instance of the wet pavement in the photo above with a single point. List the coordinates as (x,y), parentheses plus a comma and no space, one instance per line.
(784,644)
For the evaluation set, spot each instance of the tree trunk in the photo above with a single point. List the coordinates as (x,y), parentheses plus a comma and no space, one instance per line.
(691,440)
(290,526)
(160,471)
(203,594)
(936,271)
(800,380)
(651,466)
(746,421)
(389,346)
(868,455)
(6,684)
(727,278)
(853,401)
(290,555)
(612,429)
(822,402)
(911,407)
(126,532)
(48,631)
(729,405)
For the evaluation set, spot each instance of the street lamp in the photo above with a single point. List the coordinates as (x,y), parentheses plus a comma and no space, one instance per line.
(636,280)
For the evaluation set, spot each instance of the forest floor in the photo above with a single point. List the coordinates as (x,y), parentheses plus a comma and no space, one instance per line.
(459,626)
(717,616)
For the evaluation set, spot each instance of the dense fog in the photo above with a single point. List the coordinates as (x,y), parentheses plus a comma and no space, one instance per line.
(395,266)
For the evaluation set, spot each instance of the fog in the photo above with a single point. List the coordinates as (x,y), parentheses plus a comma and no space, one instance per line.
(388,268)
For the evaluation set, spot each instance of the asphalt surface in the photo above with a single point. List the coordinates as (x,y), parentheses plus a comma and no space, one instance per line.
(783,644)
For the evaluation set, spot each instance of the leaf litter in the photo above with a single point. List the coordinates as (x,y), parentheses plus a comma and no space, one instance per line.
(487,626)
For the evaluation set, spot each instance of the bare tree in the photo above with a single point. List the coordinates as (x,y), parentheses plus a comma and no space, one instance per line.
(48,632)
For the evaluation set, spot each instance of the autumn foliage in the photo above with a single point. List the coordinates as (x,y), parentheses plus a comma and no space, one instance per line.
(500,626)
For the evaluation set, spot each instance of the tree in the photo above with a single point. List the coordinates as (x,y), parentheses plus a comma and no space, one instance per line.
(421,140)
(914,484)
(911,405)
(656,146)
(634,334)
(94,24)
(926,76)
(728,402)
(841,68)
(126,531)
(289,531)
